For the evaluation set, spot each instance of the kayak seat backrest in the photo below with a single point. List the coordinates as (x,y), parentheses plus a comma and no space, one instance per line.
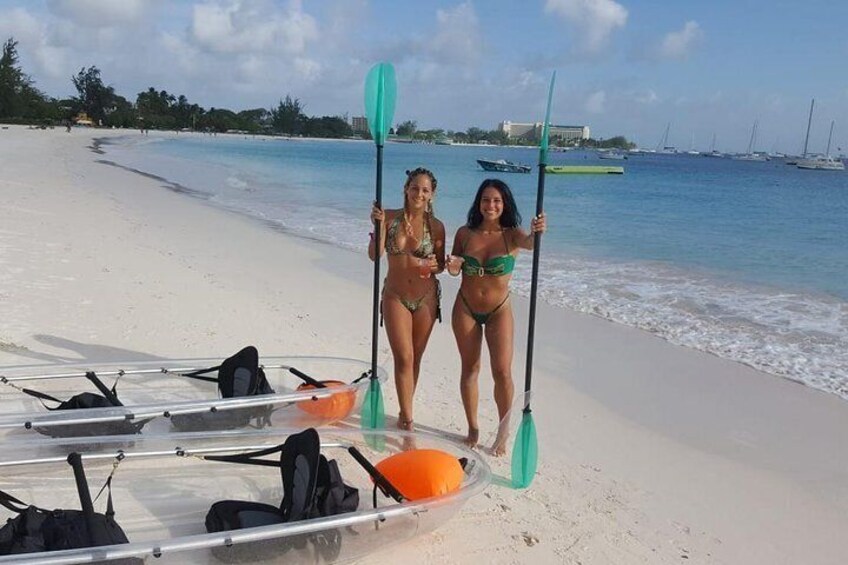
(238,376)
(299,468)
(241,375)
(312,487)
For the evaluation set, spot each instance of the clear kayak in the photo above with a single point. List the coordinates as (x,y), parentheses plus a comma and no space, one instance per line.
(179,396)
(162,494)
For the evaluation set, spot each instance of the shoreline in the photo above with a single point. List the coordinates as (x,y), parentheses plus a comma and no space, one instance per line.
(748,346)
(649,451)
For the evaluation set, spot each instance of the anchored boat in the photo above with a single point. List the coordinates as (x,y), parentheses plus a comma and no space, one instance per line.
(189,395)
(503,166)
(166,499)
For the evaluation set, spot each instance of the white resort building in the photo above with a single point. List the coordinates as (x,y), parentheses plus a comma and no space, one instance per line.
(532,132)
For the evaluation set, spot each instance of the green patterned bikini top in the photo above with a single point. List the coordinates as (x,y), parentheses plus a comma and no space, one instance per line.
(494,266)
(424,248)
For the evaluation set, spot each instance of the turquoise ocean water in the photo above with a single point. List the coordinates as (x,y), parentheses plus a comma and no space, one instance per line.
(745,260)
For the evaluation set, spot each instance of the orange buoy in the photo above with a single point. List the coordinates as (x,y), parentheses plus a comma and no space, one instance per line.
(422,473)
(335,407)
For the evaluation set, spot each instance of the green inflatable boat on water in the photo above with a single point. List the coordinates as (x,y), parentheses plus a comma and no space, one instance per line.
(583,170)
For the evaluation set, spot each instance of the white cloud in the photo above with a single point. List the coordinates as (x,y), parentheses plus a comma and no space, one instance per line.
(457,38)
(647,97)
(21,25)
(596,102)
(252,27)
(100,13)
(33,44)
(593,20)
(179,51)
(679,44)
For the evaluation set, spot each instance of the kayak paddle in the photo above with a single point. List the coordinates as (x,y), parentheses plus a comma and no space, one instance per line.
(380,95)
(525,452)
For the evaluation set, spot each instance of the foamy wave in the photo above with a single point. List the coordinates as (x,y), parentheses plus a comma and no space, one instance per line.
(793,335)
(237,183)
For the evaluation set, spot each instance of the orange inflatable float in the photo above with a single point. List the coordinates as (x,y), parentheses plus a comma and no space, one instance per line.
(335,407)
(422,473)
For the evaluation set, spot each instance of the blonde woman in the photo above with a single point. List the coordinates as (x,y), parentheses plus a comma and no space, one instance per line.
(414,244)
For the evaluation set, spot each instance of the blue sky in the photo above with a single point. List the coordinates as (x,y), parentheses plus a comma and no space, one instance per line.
(623,67)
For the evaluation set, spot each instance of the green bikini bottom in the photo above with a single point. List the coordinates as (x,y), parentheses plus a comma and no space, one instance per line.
(482,317)
(414,304)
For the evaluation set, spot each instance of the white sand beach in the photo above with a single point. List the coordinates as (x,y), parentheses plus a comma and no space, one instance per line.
(650,452)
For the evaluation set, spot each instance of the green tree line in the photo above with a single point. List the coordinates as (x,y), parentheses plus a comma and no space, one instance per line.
(22,102)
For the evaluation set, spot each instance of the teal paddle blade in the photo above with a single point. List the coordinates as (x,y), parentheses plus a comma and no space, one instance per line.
(373,410)
(380,97)
(543,145)
(374,415)
(525,453)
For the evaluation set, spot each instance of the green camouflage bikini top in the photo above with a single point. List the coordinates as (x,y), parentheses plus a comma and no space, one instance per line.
(495,266)
(424,248)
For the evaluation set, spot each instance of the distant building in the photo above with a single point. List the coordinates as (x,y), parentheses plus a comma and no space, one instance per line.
(82,119)
(359,124)
(532,132)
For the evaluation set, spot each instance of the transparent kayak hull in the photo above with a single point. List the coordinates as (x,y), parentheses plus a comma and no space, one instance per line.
(161,498)
(157,400)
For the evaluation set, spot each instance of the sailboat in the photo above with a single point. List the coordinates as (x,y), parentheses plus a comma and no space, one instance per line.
(795,160)
(713,152)
(663,146)
(751,155)
(692,146)
(823,162)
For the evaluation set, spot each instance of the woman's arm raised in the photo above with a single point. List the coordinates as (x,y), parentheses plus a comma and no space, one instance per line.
(528,240)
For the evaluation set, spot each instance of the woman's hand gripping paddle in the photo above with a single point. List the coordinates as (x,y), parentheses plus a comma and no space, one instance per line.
(525,452)
(380,95)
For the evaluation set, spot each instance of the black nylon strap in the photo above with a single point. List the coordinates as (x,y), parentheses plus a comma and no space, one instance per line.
(42,397)
(196,374)
(249,458)
(110,510)
(10,502)
(235,459)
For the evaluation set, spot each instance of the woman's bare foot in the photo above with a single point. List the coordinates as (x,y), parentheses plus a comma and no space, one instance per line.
(499,447)
(472,438)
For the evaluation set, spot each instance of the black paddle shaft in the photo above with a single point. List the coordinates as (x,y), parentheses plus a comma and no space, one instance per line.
(388,488)
(110,396)
(378,201)
(75,461)
(534,285)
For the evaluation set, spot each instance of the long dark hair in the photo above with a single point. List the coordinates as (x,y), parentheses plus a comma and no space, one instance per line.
(510,217)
